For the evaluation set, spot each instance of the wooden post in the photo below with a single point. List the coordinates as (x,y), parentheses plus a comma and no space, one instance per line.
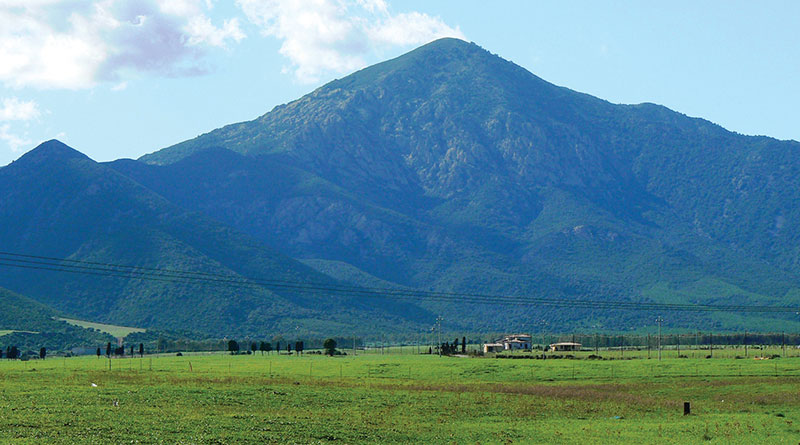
(783,343)
(711,346)
(744,340)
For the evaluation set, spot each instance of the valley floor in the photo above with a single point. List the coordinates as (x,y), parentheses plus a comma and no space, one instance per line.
(393,398)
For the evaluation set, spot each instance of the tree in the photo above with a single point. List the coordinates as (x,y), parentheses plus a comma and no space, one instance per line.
(13,353)
(131,350)
(141,350)
(463,345)
(289,347)
(254,347)
(42,352)
(98,352)
(267,347)
(330,346)
(262,347)
(233,346)
(298,346)
(278,347)
(161,344)
(108,349)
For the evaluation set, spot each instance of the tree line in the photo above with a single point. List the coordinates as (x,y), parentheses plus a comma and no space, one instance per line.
(13,353)
(265,347)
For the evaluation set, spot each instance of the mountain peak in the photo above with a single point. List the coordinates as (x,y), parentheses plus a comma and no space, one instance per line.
(52,150)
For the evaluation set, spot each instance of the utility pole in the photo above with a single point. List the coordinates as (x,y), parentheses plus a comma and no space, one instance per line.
(659,320)
(744,340)
(439,330)
(711,345)
(783,343)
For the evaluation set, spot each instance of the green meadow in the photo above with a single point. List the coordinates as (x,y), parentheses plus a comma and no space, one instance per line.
(113,330)
(398,397)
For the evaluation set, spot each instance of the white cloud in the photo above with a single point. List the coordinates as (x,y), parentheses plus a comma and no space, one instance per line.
(122,86)
(14,109)
(335,36)
(74,44)
(16,143)
(202,31)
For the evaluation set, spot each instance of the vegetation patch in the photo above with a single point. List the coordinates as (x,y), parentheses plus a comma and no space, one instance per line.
(114,330)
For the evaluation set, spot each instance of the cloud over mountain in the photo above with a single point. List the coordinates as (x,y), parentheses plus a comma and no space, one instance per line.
(334,36)
(54,44)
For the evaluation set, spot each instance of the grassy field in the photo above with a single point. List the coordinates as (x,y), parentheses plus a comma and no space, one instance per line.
(394,398)
(114,330)
(6,332)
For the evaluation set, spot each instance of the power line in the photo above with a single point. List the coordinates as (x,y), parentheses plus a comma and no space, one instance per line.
(43,263)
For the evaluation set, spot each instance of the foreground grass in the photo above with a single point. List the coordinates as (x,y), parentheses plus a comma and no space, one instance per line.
(113,330)
(398,398)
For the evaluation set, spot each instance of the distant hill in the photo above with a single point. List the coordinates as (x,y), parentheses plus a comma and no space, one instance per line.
(446,169)
(30,325)
(57,202)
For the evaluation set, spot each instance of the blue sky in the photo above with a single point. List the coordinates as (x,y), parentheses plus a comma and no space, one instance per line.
(121,78)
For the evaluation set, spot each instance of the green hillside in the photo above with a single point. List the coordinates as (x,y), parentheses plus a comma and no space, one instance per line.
(62,204)
(30,325)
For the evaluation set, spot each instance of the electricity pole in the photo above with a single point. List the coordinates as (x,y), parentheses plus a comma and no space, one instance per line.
(659,320)
(439,330)
(744,340)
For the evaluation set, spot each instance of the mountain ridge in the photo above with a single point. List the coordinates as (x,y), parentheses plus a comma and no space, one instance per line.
(451,169)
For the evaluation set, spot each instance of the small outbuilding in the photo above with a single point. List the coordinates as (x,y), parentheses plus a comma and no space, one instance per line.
(564,346)
(493,347)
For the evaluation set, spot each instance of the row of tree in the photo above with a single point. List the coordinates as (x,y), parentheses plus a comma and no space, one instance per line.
(266,347)
(119,351)
(448,348)
(12,352)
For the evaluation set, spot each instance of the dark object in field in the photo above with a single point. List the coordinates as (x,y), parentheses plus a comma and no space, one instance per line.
(330,346)
(687,408)
(179,354)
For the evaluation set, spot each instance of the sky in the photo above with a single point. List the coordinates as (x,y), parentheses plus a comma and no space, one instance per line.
(122,78)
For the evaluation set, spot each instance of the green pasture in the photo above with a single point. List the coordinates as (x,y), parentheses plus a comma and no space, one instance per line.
(398,398)
(10,331)
(114,330)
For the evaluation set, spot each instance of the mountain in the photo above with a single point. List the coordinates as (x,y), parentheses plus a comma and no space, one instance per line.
(446,169)
(55,202)
(450,168)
